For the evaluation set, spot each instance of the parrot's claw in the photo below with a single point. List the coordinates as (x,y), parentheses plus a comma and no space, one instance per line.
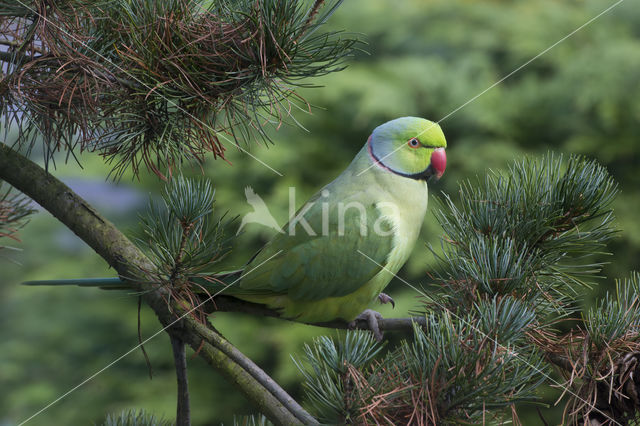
(385,298)
(373,319)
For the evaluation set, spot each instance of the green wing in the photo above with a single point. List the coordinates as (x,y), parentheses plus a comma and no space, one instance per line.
(308,268)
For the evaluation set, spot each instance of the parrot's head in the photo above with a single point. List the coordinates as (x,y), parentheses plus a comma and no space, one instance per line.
(409,146)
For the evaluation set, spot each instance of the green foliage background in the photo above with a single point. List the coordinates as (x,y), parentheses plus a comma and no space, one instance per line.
(425,58)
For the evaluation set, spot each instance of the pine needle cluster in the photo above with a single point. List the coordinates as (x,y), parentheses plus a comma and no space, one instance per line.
(182,237)
(157,82)
(531,233)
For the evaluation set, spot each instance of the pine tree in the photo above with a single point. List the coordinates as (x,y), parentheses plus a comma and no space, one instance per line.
(152,85)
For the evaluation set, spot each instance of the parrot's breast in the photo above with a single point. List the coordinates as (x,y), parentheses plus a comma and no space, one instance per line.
(405,211)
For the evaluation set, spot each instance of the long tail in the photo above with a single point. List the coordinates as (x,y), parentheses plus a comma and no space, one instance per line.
(115,283)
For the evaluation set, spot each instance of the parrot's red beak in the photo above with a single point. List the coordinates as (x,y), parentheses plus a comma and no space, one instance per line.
(438,162)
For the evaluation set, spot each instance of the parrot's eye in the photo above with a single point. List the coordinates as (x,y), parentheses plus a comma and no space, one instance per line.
(413,143)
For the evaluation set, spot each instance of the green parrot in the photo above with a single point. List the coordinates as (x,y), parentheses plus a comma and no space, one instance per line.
(344,245)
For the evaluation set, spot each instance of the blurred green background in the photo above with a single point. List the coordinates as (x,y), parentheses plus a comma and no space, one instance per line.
(424,58)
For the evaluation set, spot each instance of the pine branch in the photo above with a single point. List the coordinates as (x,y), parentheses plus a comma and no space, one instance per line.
(163,82)
(529,233)
(106,240)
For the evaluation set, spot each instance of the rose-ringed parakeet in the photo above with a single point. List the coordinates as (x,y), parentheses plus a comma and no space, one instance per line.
(346,243)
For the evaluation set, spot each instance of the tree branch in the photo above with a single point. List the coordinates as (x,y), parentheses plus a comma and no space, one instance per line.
(559,361)
(231,304)
(130,263)
(183,412)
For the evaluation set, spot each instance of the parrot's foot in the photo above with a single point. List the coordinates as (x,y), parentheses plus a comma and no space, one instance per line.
(373,319)
(385,298)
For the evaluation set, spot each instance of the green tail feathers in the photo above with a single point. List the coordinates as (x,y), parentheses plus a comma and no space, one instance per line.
(115,283)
